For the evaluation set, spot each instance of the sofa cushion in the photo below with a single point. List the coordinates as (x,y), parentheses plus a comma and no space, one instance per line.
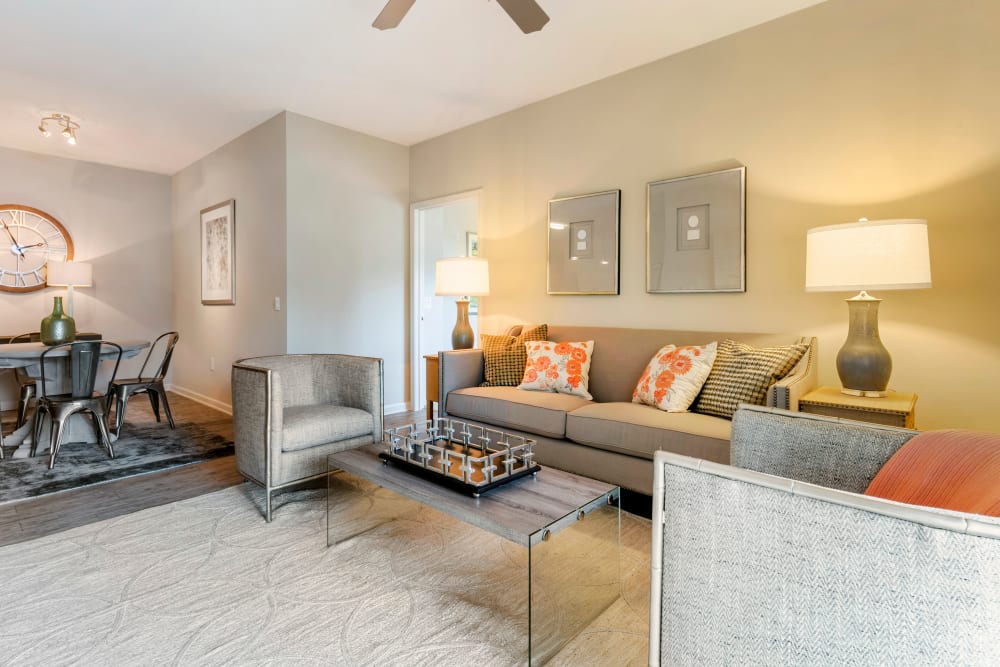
(640,430)
(559,367)
(674,376)
(542,413)
(310,425)
(742,374)
(504,356)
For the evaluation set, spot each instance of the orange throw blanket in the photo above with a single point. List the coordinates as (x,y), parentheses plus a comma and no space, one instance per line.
(954,470)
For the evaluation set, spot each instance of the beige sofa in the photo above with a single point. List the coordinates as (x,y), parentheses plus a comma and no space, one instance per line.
(609,438)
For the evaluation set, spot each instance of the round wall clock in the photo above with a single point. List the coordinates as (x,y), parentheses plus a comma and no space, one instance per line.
(29,238)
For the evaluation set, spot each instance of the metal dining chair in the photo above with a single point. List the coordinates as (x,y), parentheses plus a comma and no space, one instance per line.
(84,359)
(25,383)
(120,390)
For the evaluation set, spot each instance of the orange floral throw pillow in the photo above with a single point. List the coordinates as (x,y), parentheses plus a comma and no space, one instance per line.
(559,367)
(674,377)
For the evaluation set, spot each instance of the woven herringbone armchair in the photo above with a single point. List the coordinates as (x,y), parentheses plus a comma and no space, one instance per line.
(291,411)
(778,559)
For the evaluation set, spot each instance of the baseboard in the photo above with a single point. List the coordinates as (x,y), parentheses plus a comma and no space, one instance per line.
(201,398)
(394,408)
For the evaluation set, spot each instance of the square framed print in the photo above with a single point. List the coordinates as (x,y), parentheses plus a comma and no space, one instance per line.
(696,233)
(218,254)
(584,244)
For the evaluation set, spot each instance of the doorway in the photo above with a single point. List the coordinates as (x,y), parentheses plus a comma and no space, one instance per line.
(440,228)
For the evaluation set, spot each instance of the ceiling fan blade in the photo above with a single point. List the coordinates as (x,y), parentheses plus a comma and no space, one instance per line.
(528,16)
(392,14)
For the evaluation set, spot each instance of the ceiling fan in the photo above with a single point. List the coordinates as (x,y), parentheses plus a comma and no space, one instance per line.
(528,16)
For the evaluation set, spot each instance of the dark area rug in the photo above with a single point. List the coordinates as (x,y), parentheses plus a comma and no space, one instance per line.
(145,446)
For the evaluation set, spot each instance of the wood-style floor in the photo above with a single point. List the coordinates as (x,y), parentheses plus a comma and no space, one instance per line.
(36,517)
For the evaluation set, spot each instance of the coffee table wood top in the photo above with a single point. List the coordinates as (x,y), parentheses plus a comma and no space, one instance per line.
(516,511)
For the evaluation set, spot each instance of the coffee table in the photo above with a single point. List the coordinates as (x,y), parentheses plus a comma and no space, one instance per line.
(569,525)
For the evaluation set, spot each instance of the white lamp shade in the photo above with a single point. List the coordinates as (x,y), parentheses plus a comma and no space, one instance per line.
(462,276)
(65,274)
(880,254)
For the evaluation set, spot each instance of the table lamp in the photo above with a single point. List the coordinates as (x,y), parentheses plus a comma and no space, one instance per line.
(462,277)
(69,275)
(863,255)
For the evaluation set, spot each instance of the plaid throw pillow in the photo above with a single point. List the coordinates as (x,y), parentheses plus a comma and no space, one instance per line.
(505,356)
(742,374)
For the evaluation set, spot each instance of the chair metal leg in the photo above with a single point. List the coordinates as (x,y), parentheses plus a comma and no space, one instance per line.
(166,405)
(27,392)
(36,428)
(102,433)
(121,401)
(267,505)
(154,401)
(55,437)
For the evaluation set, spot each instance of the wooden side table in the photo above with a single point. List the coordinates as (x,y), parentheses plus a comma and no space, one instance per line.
(896,409)
(433,389)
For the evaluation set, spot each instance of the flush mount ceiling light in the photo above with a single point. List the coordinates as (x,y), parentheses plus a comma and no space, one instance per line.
(528,16)
(68,125)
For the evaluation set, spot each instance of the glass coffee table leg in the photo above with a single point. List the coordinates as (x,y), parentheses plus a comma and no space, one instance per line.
(574,575)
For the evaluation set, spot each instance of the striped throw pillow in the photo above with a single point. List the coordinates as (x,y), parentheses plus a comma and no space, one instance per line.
(742,374)
(505,356)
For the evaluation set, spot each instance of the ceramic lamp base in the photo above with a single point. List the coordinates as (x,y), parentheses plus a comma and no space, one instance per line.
(863,363)
(462,336)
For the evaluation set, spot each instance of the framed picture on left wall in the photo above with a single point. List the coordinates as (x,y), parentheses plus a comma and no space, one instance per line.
(218,254)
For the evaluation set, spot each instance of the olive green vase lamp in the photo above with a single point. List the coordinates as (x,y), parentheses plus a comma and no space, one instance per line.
(864,255)
(463,277)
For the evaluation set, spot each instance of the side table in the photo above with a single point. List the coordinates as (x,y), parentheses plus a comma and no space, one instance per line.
(896,409)
(431,370)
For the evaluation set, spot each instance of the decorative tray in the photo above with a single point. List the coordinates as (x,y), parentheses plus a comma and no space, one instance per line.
(468,458)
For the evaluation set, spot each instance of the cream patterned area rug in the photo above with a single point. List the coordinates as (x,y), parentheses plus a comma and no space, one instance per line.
(207,582)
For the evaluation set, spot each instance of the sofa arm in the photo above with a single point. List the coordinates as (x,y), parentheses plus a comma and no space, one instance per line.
(786,392)
(753,569)
(354,382)
(257,419)
(458,369)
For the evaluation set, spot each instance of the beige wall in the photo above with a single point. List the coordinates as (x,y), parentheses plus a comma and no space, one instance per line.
(119,220)
(347,261)
(875,108)
(251,170)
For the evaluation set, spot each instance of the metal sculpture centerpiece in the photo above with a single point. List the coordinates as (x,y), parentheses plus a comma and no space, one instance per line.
(466,457)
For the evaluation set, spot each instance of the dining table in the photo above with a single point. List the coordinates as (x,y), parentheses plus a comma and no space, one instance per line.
(79,428)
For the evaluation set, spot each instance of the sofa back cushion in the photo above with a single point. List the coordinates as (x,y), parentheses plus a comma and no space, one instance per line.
(952,470)
(621,355)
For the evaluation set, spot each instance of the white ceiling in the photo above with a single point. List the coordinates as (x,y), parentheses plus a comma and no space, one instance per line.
(160,83)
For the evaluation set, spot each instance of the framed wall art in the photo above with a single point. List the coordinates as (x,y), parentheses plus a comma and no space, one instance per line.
(583,244)
(218,254)
(696,233)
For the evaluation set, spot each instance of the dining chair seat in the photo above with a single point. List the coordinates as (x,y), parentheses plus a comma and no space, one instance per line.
(121,390)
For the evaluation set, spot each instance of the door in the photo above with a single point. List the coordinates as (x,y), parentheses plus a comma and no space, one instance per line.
(441,228)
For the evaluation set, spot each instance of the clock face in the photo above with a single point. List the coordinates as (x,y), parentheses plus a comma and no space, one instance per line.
(29,238)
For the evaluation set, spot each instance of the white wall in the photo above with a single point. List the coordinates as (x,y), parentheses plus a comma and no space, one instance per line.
(119,220)
(348,195)
(874,108)
(251,170)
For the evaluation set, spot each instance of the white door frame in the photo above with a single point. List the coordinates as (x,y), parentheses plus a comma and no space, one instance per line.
(417,277)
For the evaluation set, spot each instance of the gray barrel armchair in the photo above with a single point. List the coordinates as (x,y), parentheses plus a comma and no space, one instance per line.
(291,411)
